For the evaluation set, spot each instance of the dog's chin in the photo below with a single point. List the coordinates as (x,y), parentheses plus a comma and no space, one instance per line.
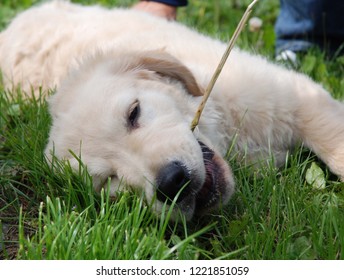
(216,189)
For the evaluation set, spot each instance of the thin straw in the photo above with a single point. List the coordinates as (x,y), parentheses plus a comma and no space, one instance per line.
(221,64)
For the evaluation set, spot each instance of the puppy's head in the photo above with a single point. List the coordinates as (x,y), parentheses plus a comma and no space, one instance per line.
(128,115)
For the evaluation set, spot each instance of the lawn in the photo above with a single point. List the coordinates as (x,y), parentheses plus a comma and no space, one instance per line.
(53,213)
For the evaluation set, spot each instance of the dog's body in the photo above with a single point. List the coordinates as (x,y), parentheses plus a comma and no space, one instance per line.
(127,107)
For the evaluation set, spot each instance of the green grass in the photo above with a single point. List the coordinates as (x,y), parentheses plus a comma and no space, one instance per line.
(52,212)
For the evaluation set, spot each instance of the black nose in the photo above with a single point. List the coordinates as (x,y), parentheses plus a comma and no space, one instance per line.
(171,180)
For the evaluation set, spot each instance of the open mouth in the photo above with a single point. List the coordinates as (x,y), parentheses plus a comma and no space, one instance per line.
(210,194)
(196,196)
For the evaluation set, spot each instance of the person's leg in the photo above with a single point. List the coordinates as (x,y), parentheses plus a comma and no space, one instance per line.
(332,24)
(304,23)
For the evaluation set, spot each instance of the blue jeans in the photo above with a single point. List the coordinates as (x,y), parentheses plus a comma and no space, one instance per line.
(305,23)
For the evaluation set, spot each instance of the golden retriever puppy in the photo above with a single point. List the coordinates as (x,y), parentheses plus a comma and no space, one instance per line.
(128,85)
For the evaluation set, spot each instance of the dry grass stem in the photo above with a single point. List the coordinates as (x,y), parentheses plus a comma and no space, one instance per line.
(221,64)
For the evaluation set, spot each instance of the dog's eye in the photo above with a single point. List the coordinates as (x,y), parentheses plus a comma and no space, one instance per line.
(134,112)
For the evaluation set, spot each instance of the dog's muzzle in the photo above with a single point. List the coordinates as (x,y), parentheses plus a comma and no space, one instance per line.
(173,180)
(176,181)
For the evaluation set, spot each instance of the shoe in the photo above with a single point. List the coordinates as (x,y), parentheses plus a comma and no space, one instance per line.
(288,57)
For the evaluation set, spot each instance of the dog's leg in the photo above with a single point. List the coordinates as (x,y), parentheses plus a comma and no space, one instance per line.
(320,121)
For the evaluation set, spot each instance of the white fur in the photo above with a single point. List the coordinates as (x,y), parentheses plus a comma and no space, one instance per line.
(265,107)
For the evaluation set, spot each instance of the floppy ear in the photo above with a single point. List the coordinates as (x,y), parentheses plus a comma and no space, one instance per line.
(166,65)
